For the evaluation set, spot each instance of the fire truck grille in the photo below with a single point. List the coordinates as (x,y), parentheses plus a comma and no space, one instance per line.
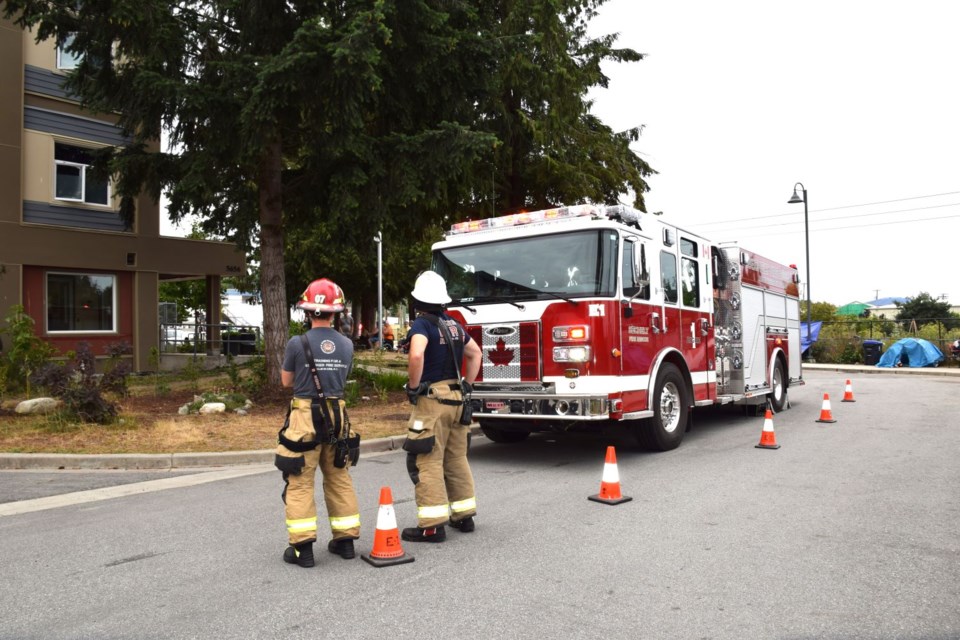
(511,351)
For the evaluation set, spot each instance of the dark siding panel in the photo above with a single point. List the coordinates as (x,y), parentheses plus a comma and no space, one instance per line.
(67,125)
(43,213)
(44,82)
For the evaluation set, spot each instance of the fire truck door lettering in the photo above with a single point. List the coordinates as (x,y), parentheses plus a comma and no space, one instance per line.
(595,311)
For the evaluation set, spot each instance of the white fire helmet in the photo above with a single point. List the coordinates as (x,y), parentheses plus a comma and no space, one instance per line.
(430,288)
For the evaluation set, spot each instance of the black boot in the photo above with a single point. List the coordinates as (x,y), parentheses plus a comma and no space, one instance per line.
(299,554)
(342,547)
(466,525)
(430,534)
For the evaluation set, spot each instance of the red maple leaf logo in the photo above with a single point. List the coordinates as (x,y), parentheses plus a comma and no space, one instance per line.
(501,356)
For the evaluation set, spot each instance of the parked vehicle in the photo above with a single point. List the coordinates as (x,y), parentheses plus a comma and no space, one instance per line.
(589,316)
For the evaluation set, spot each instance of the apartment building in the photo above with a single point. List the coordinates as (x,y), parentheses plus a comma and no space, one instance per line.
(81,272)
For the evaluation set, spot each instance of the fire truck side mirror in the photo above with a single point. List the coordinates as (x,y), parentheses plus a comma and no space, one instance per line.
(627,308)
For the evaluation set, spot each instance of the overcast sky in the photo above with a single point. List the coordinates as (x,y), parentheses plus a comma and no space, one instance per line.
(858,100)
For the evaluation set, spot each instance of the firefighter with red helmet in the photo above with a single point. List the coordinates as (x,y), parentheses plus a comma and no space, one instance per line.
(437,439)
(317,429)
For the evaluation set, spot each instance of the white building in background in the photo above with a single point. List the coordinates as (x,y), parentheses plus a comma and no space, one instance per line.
(243,309)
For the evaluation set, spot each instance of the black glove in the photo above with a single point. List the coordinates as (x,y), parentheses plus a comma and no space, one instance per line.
(413,393)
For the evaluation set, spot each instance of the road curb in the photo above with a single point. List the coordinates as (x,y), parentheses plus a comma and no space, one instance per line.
(950,372)
(164,461)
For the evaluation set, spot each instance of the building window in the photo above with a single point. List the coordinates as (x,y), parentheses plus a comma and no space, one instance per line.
(81,302)
(66,59)
(74,180)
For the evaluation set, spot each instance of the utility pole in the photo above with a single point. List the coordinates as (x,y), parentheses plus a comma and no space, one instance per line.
(379,326)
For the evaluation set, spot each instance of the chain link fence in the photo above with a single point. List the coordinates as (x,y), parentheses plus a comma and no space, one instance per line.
(842,341)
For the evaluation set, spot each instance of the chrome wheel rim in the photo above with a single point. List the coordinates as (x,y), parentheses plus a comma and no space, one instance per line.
(670,407)
(778,384)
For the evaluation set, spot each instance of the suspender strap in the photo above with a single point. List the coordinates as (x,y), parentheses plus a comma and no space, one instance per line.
(293,445)
(311,363)
(321,416)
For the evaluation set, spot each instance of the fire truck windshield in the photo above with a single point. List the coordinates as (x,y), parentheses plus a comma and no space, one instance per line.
(576,264)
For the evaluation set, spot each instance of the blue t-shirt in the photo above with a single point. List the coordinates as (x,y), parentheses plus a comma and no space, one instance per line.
(437,362)
(332,355)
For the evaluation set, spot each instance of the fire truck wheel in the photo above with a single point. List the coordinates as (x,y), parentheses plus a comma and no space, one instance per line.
(500,434)
(665,430)
(778,395)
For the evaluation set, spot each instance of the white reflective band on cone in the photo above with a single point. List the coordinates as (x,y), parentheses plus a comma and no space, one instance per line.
(386,518)
(610,473)
(463,505)
(439,511)
(307,524)
(345,522)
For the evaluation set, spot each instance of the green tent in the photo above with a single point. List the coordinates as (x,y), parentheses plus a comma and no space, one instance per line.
(852,309)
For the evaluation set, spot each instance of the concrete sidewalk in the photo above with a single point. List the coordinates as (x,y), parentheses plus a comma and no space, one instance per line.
(13,461)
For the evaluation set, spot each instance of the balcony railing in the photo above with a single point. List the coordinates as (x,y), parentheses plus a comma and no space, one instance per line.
(209,339)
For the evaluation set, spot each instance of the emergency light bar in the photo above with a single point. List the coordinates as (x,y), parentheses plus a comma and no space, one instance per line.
(623,213)
(517,219)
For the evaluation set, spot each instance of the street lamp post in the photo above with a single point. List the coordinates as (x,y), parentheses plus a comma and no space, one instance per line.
(796,199)
(379,240)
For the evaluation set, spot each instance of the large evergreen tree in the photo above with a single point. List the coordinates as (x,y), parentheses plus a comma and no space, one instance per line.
(301,129)
(554,150)
(519,71)
(264,102)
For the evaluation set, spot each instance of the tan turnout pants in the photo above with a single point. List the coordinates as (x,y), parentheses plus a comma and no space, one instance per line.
(298,494)
(441,473)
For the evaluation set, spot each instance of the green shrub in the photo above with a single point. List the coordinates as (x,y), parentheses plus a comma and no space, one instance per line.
(233,372)
(77,384)
(191,373)
(26,352)
(117,368)
(160,385)
(255,384)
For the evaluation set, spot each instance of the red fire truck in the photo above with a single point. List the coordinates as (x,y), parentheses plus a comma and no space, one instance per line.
(591,315)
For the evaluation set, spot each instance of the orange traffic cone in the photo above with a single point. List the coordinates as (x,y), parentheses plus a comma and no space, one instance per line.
(848,393)
(768,440)
(825,415)
(610,483)
(386,541)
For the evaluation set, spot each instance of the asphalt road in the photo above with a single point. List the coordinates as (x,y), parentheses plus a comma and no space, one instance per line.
(849,530)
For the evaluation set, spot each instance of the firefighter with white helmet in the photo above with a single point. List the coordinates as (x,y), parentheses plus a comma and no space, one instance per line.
(437,439)
(317,432)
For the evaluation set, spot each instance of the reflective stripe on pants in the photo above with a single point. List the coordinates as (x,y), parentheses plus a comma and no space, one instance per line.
(338,492)
(444,476)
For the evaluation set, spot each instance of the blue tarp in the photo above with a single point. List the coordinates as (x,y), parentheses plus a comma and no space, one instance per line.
(911,352)
(807,340)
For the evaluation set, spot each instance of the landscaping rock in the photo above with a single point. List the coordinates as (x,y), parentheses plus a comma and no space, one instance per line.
(37,406)
(213,407)
(184,410)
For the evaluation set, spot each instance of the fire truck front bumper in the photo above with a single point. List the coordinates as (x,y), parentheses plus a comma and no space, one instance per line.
(534,405)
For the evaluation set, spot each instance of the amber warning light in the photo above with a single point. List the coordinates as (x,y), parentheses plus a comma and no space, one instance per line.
(570,334)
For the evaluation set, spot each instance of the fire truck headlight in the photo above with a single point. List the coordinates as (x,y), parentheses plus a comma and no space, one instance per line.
(571,354)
